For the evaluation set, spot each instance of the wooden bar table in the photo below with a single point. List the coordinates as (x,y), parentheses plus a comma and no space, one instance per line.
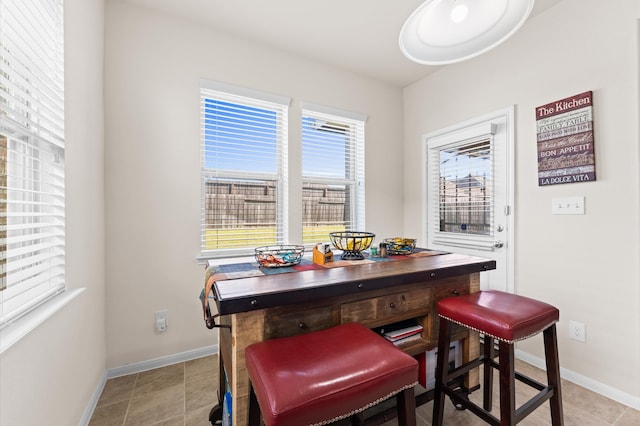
(372,293)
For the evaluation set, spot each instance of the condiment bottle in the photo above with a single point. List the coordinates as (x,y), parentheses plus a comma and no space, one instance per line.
(383,250)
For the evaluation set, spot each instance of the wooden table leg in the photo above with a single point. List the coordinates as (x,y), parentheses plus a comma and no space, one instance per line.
(246,328)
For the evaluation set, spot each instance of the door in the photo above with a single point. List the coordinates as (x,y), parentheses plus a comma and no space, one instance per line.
(468,186)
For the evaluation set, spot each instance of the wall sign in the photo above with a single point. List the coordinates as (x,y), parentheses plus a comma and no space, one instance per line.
(565,141)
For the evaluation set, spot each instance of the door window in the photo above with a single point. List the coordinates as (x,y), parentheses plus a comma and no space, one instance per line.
(461,191)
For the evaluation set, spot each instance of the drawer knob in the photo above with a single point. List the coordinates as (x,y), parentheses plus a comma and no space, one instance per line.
(360,285)
(432,275)
(456,292)
(392,305)
(254,303)
(302,325)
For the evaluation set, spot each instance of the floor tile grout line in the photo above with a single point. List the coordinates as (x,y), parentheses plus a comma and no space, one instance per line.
(133,389)
(619,417)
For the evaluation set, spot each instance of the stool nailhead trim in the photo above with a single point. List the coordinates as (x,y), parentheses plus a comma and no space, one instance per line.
(369,405)
(496,337)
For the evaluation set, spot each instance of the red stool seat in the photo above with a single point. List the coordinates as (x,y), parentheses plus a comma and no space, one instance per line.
(504,316)
(326,375)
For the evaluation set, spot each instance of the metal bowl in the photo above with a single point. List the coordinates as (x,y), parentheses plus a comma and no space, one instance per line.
(351,243)
(400,245)
(279,256)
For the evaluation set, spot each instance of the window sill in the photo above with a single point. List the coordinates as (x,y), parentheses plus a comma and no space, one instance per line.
(13,332)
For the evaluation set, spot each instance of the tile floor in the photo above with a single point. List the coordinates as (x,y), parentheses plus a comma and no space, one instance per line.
(183,394)
(177,395)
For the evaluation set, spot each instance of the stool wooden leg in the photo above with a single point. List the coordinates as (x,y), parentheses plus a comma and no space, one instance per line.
(254,408)
(507,384)
(442,368)
(553,374)
(406,406)
(357,419)
(489,354)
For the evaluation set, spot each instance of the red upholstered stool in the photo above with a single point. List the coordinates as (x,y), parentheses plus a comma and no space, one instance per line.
(328,375)
(507,318)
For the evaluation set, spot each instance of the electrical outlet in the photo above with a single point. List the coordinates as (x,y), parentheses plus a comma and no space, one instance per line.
(162,320)
(577,331)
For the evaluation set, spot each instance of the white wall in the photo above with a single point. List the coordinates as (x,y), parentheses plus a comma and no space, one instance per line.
(585,265)
(49,376)
(153,63)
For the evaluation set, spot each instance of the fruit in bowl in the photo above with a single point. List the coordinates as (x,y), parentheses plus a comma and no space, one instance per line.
(279,256)
(352,243)
(400,245)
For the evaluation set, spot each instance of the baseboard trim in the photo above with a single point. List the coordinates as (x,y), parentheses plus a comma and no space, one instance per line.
(164,361)
(93,402)
(586,382)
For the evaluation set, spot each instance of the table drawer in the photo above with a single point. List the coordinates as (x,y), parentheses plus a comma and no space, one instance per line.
(455,287)
(293,323)
(452,287)
(381,310)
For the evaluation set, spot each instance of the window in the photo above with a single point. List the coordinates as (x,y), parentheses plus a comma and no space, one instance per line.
(32,220)
(462,198)
(244,170)
(465,189)
(332,173)
(245,180)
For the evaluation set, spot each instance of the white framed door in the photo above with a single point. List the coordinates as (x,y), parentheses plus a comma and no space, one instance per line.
(468,188)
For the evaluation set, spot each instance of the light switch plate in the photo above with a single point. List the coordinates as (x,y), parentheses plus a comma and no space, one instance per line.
(567,205)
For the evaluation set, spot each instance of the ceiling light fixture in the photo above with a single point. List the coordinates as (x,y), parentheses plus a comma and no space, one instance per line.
(443,32)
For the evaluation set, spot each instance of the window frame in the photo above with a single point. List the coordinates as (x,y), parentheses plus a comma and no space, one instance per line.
(354,171)
(250,98)
(289,213)
(32,128)
(468,137)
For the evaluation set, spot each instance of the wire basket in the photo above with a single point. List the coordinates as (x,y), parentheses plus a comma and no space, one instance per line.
(400,245)
(279,256)
(351,243)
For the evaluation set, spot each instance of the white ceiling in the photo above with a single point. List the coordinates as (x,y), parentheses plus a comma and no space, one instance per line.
(356,35)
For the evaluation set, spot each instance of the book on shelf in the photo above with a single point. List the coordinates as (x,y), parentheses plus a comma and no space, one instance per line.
(407,339)
(401,330)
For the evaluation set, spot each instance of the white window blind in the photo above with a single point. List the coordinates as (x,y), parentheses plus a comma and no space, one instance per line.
(462,180)
(332,174)
(244,170)
(32,220)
